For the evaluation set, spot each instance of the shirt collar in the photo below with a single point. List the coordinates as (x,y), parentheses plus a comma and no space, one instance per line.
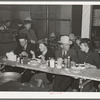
(25,47)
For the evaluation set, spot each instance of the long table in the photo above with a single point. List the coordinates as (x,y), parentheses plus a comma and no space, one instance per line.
(84,74)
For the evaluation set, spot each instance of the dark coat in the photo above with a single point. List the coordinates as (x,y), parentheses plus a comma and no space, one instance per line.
(30,46)
(45,77)
(48,55)
(91,57)
(30,33)
(62,83)
(72,53)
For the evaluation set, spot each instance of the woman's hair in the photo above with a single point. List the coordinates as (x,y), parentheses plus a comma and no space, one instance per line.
(88,42)
(43,41)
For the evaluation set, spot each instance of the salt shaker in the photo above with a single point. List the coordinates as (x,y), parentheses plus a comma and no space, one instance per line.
(52,63)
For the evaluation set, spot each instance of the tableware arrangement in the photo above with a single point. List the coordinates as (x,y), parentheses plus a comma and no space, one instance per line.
(34,61)
(78,67)
(59,63)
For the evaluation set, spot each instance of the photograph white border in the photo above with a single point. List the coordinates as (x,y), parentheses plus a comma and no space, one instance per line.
(49,95)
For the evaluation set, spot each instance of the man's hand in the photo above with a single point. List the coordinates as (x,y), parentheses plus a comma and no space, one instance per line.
(32,41)
(24,54)
(42,58)
(33,54)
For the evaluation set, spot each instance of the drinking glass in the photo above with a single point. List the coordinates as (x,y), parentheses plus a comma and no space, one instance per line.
(25,60)
(59,63)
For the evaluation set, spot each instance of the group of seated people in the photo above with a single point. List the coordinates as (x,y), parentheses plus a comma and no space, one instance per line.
(80,51)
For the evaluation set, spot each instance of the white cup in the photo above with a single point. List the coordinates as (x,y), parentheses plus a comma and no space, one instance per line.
(52,63)
(59,63)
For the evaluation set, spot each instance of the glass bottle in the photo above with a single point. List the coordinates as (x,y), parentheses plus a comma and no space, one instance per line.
(68,62)
(65,62)
(52,63)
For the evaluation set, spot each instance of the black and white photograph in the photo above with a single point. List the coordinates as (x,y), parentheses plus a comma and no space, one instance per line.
(52,48)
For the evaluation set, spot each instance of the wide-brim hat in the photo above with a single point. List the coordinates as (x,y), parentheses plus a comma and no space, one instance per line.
(65,40)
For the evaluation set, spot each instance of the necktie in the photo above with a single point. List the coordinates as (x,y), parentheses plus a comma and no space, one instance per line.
(64,54)
(24,48)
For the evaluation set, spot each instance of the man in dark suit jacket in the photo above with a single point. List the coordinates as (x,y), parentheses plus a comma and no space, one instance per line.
(62,83)
(27,49)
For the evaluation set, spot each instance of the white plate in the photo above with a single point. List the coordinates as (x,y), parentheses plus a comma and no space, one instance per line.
(43,66)
(76,71)
(33,62)
(77,68)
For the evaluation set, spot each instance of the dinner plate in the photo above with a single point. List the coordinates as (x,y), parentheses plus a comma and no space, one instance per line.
(33,62)
(77,68)
(76,71)
(43,66)
(80,65)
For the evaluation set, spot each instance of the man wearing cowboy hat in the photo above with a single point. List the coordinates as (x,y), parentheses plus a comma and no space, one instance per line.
(27,30)
(62,83)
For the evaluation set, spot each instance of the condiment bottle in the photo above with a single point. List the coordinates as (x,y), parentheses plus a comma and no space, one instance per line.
(65,62)
(59,63)
(21,60)
(52,63)
(25,60)
(18,59)
(49,62)
(68,62)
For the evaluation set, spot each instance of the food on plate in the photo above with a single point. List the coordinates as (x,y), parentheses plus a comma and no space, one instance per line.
(33,62)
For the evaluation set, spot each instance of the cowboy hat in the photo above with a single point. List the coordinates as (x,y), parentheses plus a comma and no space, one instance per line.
(65,40)
(42,41)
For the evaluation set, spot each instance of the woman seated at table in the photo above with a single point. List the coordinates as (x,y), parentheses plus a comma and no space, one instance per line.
(44,53)
(88,56)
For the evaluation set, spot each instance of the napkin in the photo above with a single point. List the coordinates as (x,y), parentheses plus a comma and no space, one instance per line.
(11,56)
